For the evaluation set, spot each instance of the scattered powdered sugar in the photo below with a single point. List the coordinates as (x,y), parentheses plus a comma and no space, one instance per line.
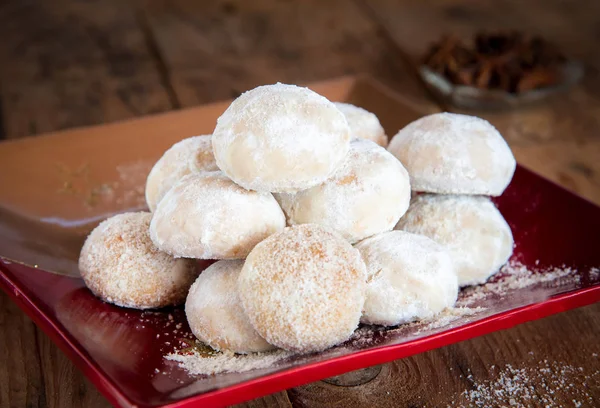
(448,316)
(514,276)
(198,363)
(594,274)
(364,336)
(127,190)
(469,296)
(533,386)
(131,183)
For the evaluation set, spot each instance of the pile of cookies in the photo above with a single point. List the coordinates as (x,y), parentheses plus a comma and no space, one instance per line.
(308,216)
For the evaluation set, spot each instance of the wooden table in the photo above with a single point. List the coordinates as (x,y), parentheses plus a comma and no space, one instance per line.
(70,63)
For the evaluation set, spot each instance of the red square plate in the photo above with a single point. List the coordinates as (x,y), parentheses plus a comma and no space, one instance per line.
(56,188)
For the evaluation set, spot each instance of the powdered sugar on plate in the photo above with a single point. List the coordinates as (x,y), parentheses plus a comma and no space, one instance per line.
(450,315)
(515,276)
(126,189)
(199,363)
(594,274)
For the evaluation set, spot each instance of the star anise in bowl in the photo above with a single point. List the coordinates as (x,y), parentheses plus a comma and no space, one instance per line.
(497,69)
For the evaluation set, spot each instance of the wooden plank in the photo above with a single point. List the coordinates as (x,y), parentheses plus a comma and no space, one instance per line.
(21,380)
(34,371)
(215,50)
(65,385)
(40,107)
(75,63)
(574,116)
(71,39)
(531,359)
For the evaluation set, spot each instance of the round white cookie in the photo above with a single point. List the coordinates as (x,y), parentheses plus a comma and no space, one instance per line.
(367,195)
(303,288)
(208,216)
(280,138)
(409,277)
(185,157)
(214,311)
(448,153)
(470,227)
(363,124)
(120,264)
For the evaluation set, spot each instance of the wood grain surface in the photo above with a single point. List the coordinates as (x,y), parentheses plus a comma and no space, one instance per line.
(217,49)
(69,63)
(74,63)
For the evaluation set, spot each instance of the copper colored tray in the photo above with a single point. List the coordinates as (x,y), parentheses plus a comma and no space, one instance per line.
(56,188)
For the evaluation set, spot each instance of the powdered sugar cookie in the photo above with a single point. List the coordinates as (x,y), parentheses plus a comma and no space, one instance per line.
(208,216)
(409,277)
(363,124)
(188,156)
(303,288)
(470,227)
(280,138)
(367,195)
(121,265)
(215,313)
(448,153)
